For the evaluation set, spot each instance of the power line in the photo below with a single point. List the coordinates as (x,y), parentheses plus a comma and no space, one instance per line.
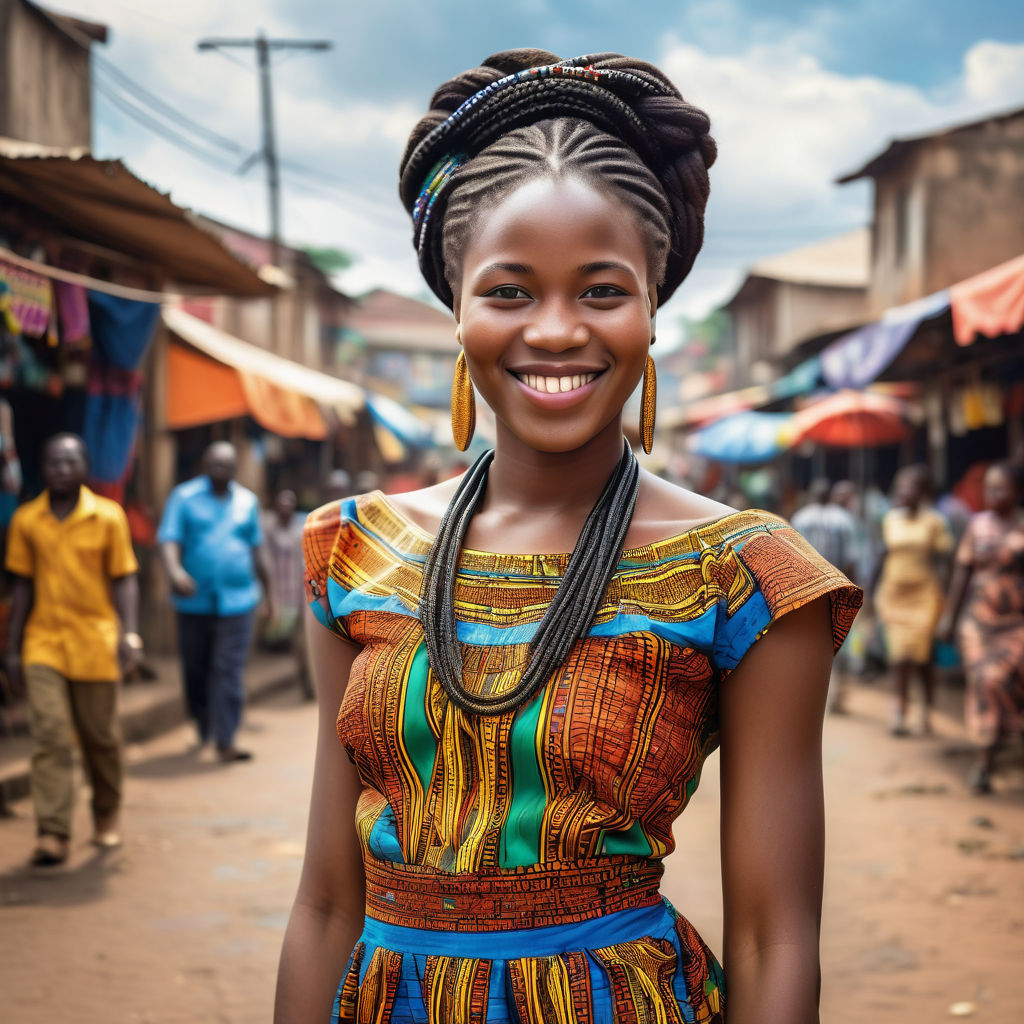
(263,48)
(139,92)
(165,132)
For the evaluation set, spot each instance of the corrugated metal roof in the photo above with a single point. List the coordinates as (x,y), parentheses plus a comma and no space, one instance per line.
(101,201)
(842,261)
(387,320)
(898,147)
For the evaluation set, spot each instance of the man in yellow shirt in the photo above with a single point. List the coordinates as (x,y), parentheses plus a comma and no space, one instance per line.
(73,630)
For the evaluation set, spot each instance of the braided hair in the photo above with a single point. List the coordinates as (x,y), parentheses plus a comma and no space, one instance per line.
(616,122)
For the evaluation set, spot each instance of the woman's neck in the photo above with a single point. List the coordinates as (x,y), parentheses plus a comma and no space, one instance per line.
(524,479)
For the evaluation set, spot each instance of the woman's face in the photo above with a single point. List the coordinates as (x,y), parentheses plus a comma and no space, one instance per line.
(1000,494)
(556,311)
(908,493)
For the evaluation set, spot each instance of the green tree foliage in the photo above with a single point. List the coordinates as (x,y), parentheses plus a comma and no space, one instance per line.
(329,260)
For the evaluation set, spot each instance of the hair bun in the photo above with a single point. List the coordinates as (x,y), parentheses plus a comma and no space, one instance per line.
(629,99)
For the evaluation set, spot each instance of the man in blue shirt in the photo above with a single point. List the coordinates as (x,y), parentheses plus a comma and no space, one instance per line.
(210,542)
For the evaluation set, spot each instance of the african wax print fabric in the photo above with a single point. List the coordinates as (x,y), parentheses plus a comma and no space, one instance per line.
(992,627)
(512,861)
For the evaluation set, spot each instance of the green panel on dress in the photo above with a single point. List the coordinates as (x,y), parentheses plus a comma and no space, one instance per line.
(520,835)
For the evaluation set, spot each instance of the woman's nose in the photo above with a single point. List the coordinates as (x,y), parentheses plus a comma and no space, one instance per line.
(555,329)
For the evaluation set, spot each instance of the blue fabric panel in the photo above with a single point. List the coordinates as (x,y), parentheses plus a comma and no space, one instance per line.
(121,328)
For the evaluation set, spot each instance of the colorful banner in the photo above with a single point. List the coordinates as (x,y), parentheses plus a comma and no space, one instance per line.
(857,358)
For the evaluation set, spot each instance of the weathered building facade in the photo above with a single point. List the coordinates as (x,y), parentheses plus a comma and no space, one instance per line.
(45,94)
(787,299)
(947,205)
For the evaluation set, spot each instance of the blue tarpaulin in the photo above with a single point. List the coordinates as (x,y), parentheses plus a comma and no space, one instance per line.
(804,377)
(742,437)
(409,429)
(857,358)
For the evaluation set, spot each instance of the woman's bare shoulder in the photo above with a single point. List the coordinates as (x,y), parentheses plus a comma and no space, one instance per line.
(425,507)
(664,509)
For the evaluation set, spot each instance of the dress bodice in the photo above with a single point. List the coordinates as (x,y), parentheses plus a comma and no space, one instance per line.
(606,755)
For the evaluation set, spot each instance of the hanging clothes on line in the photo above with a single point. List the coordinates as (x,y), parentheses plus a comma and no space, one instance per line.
(27,300)
(73,313)
(121,331)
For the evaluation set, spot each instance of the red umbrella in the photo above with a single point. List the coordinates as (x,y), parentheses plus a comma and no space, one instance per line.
(850,419)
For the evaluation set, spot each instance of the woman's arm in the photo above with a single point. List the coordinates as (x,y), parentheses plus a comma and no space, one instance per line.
(327,916)
(773,833)
(963,569)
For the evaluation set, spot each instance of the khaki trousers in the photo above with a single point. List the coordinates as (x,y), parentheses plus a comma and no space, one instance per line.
(58,708)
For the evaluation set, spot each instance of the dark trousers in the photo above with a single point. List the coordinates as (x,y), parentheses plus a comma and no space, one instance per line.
(213,652)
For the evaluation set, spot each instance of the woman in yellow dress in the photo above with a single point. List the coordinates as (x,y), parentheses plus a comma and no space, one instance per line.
(909,596)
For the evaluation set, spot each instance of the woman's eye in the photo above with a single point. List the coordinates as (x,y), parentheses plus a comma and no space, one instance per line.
(603,291)
(507,291)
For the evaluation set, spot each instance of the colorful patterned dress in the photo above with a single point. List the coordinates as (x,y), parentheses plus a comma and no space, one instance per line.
(512,862)
(992,628)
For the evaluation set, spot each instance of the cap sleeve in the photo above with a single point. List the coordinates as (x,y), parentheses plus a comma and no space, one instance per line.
(320,537)
(775,571)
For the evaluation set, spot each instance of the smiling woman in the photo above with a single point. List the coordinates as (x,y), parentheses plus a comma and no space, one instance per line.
(527,666)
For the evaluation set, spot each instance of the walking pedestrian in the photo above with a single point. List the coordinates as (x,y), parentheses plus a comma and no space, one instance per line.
(830,529)
(282,537)
(908,597)
(988,578)
(73,631)
(520,725)
(210,542)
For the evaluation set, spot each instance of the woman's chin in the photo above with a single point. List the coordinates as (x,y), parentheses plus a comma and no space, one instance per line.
(547,438)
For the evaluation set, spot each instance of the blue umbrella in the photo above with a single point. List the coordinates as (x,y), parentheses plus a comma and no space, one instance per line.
(742,437)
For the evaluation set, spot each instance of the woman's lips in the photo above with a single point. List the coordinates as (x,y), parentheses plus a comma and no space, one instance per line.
(556,391)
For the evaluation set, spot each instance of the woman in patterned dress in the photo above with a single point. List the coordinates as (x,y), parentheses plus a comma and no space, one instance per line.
(989,575)
(467,866)
(908,597)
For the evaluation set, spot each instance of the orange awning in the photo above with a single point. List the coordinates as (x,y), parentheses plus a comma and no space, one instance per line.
(282,411)
(200,390)
(213,376)
(990,303)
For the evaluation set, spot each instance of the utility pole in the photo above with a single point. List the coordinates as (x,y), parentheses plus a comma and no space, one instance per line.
(263,48)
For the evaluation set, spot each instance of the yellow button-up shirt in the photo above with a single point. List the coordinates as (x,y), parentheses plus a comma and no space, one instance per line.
(73,625)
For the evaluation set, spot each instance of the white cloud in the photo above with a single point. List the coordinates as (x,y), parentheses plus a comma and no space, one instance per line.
(994,73)
(786,127)
(785,124)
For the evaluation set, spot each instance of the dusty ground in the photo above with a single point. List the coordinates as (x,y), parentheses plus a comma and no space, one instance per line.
(923,909)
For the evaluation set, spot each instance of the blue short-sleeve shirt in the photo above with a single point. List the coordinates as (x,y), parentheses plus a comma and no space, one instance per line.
(218,535)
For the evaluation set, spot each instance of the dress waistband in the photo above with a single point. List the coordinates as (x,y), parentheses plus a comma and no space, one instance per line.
(496,900)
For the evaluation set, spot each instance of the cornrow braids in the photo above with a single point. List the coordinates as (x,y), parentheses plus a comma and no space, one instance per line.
(524,114)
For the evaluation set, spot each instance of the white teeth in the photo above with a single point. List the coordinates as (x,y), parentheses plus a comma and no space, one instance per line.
(555,385)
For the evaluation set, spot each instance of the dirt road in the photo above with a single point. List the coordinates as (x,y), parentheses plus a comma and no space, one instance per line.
(924,909)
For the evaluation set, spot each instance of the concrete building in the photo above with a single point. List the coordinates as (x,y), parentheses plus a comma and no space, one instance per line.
(785,300)
(45,76)
(947,205)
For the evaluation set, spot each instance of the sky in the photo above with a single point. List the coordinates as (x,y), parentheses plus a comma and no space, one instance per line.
(798,93)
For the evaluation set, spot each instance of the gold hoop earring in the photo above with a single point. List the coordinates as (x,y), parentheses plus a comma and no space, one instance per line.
(648,400)
(463,405)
